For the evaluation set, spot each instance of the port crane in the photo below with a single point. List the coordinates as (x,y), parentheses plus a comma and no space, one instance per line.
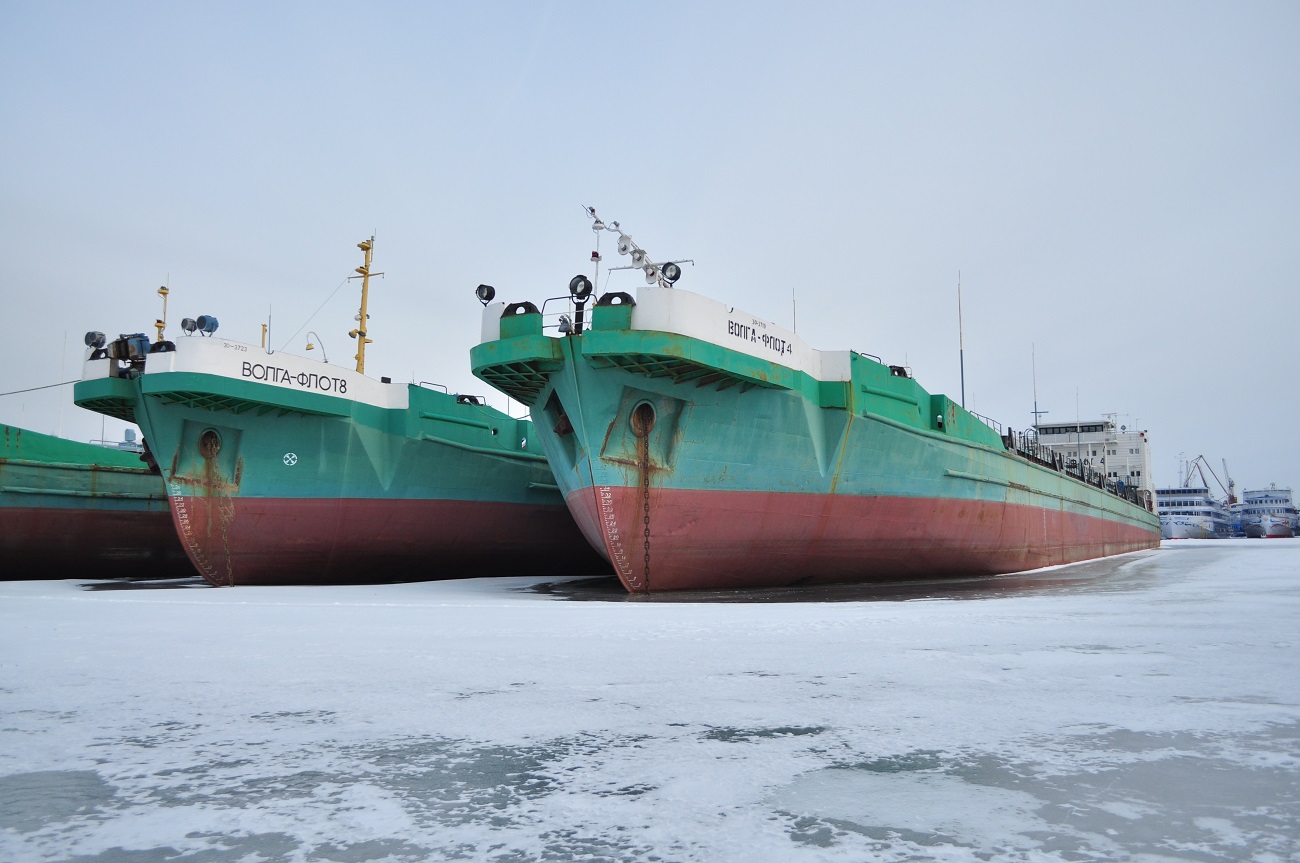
(1200,465)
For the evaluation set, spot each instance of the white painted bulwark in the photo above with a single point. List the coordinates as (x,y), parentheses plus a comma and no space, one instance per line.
(93,370)
(490,330)
(252,363)
(672,310)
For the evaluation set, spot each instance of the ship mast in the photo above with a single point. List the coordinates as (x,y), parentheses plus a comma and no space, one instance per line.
(363,316)
(161,323)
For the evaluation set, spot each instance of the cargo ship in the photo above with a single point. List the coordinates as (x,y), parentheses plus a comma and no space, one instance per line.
(74,510)
(702,447)
(285,470)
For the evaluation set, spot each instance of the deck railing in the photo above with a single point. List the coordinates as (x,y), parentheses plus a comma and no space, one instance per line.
(1026,445)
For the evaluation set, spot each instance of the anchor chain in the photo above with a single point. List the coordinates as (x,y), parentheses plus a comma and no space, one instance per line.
(218,491)
(226,507)
(643,421)
(645,486)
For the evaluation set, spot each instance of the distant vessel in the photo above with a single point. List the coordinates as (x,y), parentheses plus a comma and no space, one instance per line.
(71,509)
(1268,512)
(283,470)
(700,446)
(1189,511)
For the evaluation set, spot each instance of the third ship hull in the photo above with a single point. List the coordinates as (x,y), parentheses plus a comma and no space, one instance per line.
(71,509)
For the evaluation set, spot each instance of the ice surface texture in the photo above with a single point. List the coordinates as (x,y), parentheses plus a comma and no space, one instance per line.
(1144,709)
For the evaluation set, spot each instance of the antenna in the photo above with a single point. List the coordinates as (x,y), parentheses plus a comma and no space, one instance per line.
(1078,434)
(580,304)
(961,343)
(1033,364)
(63,362)
(794,311)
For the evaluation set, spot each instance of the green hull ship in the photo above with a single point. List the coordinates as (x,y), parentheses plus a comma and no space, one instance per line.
(284,470)
(702,447)
(71,509)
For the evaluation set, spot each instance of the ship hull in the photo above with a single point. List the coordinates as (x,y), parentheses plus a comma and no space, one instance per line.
(81,542)
(1189,529)
(69,509)
(691,467)
(702,539)
(1268,528)
(242,540)
(357,505)
(878,502)
(1277,528)
(270,484)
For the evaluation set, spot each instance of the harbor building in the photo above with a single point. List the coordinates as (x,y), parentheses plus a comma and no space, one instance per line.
(1123,455)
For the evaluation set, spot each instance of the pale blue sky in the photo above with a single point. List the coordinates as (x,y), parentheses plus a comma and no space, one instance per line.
(1118,184)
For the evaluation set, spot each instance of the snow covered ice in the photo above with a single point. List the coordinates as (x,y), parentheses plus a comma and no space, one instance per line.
(1142,708)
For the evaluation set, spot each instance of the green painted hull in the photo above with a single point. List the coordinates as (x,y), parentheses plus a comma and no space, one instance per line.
(696,465)
(71,509)
(274,483)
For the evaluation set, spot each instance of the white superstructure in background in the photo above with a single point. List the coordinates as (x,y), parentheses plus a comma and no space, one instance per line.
(1192,513)
(1122,455)
(1268,512)
(1189,510)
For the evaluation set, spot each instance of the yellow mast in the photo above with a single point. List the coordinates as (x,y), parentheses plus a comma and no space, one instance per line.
(360,332)
(161,323)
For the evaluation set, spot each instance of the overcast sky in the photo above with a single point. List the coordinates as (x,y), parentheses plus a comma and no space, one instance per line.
(1118,185)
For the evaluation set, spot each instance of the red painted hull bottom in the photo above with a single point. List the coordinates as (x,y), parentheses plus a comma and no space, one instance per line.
(724,540)
(351,541)
(54,542)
